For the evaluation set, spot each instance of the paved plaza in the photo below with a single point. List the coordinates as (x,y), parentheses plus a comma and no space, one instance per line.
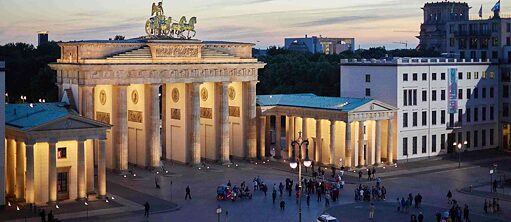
(168,204)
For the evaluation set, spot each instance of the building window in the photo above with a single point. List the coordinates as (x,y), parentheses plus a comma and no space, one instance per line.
(460,75)
(492,132)
(414,77)
(442,76)
(469,75)
(424,144)
(492,117)
(476,75)
(476,138)
(460,93)
(433,117)
(433,143)
(483,114)
(414,97)
(424,76)
(405,97)
(442,117)
(492,92)
(424,118)
(433,95)
(468,115)
(460,117)
(368,78)
(505,91)
(433,76)
(405,77)
(405,146)
(451,119)
(505,109)
(468,139)
(414,119)
(484,93)
(483,75)
(424,95)
(442,141)
(483,138)
(414,145)
(62,153)
(469,91)
(476,93)
(368,92)
(405,120)
(442,95)
(476,114)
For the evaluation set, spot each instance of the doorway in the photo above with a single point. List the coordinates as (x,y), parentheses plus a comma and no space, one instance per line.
(63,184)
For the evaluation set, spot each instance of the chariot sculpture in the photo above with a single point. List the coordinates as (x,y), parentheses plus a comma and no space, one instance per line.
(161,26)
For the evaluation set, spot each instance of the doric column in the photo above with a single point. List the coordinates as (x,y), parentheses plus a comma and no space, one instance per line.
(332,142)
(319,144)
(224,124)
(361,151)
(252,121)
(30,190)
(347,145)
(262,136)
(11,168)
(20,171)
(390,141)
(52,171)
(101,168)
(121,126)
(195,123)
(267,141)
(278,137)
(304,133)
(87,105)
(377,144)
(291,132)
(152,125)
(82,189)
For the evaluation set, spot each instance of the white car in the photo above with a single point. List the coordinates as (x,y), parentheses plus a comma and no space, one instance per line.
(326,218)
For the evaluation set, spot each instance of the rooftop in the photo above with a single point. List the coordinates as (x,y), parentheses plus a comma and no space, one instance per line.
(415,61)
(312,101)
(26,116)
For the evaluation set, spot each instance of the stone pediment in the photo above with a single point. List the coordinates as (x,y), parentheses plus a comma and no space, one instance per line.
(374,106)
(70,123)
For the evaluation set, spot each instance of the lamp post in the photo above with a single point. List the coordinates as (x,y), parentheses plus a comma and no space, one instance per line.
(23,98)
(460,146)
(296,161)
(218,212)
(87,206)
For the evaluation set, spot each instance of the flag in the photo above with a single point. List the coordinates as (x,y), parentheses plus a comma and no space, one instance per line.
(481,12)
(496,8)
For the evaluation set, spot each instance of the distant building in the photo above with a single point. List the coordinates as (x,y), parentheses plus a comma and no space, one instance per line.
(2,133)
(436,15)
(440,101)
(42,38)
(320,44)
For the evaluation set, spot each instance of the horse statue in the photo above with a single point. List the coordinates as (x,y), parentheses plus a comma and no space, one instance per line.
(177,28)
(166,27)
(190,27)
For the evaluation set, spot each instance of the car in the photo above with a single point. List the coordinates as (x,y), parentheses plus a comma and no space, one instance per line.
(326,218)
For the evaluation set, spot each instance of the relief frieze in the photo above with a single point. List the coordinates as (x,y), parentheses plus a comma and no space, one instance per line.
(234,111)
(206,113)
(175,114)
(103,117)
(135,116)
(177,51)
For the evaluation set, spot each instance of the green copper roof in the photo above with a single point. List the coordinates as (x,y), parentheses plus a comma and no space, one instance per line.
(26,116)
(312,101)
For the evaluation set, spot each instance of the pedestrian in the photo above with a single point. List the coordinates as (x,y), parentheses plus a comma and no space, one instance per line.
(494,185)
(308,198)
(281,188)
(50,216)
(156,182)
(383,192)
(485,206)
(374,172)
(420,217)
(282,205)
(416,199)
(398,205)
(188,195)
(327,200)
(403,204)
(274,196)
(229,183)
(368,174)
(449,196)
(146,209)
(413,218)
(419,200)
(371,211)
(265,189)
(42,214)
(359,175)
(318,192)
(466,214)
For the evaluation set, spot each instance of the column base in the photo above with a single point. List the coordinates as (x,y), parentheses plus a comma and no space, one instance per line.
(225,162)
(101,197)
(81,199)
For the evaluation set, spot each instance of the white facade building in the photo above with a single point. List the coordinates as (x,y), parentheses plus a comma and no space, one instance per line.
(431,118)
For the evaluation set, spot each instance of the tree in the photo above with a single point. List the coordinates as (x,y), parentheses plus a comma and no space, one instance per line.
(119,37)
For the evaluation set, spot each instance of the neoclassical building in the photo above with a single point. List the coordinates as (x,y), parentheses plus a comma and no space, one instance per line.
(182,100)
(341,131)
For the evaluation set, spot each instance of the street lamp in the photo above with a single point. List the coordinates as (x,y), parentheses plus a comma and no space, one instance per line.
(218,212)
(460,146)
(296,161)
(23,98)
(87,206)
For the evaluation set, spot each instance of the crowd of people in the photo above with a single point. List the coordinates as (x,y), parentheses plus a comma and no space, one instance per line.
(375,192)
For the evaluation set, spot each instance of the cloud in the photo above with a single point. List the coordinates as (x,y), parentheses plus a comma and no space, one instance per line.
(334,20)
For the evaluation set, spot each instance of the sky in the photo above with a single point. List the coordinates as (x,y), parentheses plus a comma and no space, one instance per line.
(264,22)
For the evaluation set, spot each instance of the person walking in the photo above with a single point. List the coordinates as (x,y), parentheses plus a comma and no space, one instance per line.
(374,172)
(188,195)
(281,188)
(383,192)
(156,182)
(466,214)
(449,197)
(371,211)
(494,186)
(420,217)
(51,218)
(398,205)
(282,205)
(485,206)
(359,175)
(42,214)
(146,209)
(369,174)
(274,196)
(308,199)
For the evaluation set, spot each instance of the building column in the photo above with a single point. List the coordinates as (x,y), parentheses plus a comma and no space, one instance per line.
(195,123)
(361,151)
(252,121)
(52,172)
(121,126)
(87,105)
(291,132)
(319,144)
(262,136)
(152,124)
(278,130)
(304,133)
(390,141)
(102,168)
(20,171)
(347,145)
(267,141)
(332,142)
(82,189)
(30,190)
(224,124)
(377,147)
(11,167)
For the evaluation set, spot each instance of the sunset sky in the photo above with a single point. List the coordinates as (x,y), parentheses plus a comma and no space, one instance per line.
(265,22)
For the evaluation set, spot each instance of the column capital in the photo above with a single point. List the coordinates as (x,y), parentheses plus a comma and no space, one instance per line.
(88,85)
(122,85)
(52,141)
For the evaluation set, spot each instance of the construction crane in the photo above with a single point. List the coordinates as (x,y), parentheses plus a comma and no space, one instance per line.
(402,43)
